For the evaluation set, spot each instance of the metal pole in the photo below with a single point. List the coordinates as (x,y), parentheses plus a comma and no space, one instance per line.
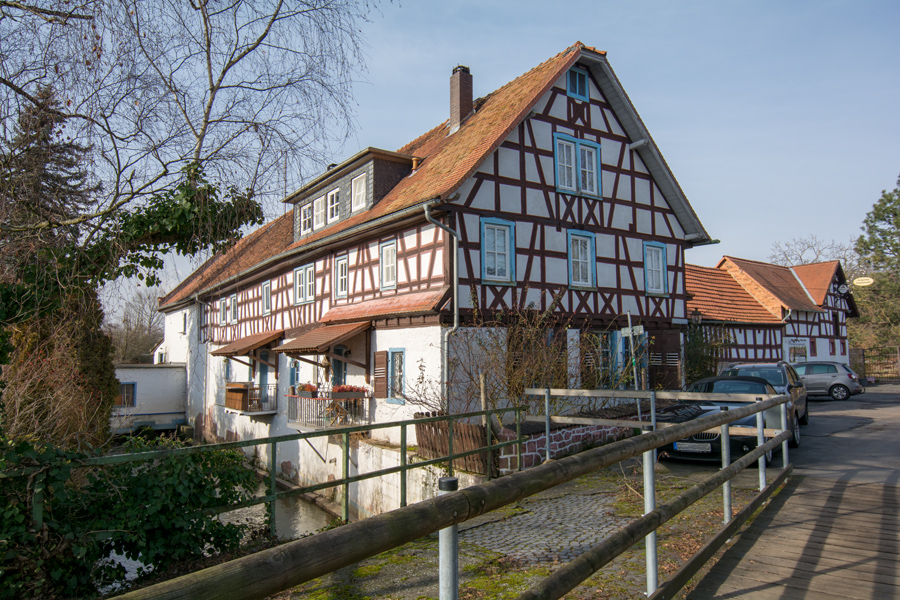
(760,440)
(519,439)
(448,549)
(345,473)
(784,444)
(633,364)
(450,448)
(547,420)
(486,423)
(726,460)
(650,506)
(403,464)
(272,488)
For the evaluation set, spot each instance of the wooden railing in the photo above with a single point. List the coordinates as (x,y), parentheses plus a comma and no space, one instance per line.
(246,397)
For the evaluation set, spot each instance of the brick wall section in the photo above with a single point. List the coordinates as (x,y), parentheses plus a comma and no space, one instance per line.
(563,442)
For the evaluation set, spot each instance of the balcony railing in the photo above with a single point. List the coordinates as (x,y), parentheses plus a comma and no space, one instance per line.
(324,410)
(250,398)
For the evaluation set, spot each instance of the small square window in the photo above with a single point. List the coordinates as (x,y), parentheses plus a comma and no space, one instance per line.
(127,392)
(358,192)
(319,212)
(655,268)
(340,278)
(578,84)
(498,255)
(334,205)
(306,219)
(388,265)
(266,293)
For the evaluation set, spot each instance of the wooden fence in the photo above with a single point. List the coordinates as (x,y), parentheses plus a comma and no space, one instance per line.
(433,439)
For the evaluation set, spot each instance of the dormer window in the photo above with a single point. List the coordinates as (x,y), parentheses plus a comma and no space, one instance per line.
(358,192)
(578,84)
(319,212)
(334,205)
(306,219)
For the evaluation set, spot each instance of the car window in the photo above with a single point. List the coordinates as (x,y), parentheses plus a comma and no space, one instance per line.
(738,387)
(822,369)
(772,374)
(848,369)
(801,369)
(831,369)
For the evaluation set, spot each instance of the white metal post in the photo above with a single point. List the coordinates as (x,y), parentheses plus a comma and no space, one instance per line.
(448,549)
(547,421)
(760,440)
(784,444)
(726,461)
(650,503)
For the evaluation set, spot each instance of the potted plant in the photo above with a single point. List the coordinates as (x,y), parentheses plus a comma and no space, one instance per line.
(308,389)
(349,391)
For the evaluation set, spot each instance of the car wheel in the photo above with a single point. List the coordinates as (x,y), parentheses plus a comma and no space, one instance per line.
(794,442)
(839,392)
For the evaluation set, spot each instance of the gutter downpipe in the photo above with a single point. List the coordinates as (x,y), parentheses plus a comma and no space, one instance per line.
(445,342)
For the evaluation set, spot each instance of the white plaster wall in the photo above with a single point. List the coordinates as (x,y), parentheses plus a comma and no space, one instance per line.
(176,336)
(160,392)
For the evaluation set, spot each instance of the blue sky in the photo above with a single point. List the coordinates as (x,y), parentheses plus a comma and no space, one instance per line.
(779,119)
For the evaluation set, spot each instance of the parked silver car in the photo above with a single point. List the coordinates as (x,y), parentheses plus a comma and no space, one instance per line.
(783,378)
(832,378)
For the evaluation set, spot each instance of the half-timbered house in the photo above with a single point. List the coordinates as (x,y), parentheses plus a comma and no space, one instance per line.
(550,186)
(771,312)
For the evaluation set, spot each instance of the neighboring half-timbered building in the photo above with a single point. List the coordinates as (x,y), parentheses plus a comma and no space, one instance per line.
(771,312)
(549,187)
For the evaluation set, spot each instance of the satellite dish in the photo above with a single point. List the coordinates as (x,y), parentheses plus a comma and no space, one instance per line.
(863,281)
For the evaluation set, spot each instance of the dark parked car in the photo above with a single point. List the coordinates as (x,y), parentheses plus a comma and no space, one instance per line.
(832,378)
(783,378)
(708,445)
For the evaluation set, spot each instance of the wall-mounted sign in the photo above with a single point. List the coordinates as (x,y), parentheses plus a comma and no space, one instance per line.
(863,281)
(843,288)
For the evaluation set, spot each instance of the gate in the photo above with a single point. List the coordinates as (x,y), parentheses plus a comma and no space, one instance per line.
(876,364)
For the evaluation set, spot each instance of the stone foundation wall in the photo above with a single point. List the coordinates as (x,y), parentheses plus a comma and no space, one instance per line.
(563,442)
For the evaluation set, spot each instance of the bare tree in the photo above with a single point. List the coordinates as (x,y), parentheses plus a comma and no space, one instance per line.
(250,89)
(140,327)
(812,249)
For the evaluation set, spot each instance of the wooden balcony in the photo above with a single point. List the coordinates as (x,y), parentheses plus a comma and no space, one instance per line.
(245,397)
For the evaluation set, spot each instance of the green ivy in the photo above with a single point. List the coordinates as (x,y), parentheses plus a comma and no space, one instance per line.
(154,511)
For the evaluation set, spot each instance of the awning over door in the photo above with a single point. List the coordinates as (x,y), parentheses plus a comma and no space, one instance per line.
(321,339)
(245,346)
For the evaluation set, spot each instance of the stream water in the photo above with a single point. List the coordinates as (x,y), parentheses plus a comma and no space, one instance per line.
(294,517)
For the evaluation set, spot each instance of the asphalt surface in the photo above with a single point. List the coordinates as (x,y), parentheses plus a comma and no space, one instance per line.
(855,440)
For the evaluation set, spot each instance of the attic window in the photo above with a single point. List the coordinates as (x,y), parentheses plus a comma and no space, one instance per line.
(577,86)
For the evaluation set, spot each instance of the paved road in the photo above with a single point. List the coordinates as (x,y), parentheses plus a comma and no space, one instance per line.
(855,440)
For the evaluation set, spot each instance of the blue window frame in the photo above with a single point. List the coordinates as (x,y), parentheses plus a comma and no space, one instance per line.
(498,251)
(127,394)
(577,84)
(395,379)
(582,260)
(655,269)
(577,165)
(227,374)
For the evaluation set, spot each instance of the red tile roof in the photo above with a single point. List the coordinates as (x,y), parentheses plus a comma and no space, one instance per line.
(404,304)
(777,280)
(817,278)
(247,344)
(719,297)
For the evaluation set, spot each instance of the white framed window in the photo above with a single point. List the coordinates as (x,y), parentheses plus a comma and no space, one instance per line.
(232,303)
(304,284)
(306,219)
(655,280)
(577,84)
(388,263)
(498,255)
(223,314)
(266,297)
(582,260)
(358,192)
(340,277)
(334,205)
(577,165)
(319,212)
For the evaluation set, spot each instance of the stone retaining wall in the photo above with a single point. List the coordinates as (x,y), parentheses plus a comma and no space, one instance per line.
(563,442)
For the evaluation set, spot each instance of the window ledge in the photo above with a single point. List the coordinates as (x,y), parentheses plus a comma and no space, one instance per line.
(583,288)
(496,282)
(656,294)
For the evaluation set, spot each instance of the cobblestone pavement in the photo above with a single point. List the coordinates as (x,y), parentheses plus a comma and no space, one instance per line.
(566,524)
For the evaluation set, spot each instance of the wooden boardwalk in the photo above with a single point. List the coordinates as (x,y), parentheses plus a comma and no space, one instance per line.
(819,538)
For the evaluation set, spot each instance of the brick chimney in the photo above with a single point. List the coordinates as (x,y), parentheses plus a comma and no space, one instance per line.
(460,96)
